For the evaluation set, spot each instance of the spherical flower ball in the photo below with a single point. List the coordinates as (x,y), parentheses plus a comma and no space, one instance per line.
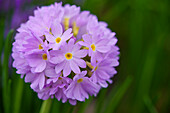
(65,53)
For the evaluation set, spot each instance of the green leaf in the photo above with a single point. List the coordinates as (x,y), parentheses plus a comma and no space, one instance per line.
(18,94)
(115,100)
(46,106)
(149,104)
(56,106)
(84,105)
(2,25)
(66,108)
(101,97)
(5,76)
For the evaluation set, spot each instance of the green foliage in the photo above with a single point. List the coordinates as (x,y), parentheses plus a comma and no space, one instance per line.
(46,106)
(6,82)
(115,97)
(142,28)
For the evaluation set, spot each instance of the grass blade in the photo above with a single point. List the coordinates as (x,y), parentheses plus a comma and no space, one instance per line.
(115,100)
(56,106)
(149,104)
(46,106)
(100,99)
(5,76)
(84,105)
(18,94)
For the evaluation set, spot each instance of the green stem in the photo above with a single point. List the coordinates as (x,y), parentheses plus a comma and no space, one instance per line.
(46,106)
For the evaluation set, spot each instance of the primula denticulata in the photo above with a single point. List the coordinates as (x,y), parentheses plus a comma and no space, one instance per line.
(65,53)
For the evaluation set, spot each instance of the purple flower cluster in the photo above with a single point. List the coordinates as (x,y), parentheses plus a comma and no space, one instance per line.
(65,53)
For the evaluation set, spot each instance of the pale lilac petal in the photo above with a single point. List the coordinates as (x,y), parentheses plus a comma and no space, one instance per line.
(80,62)
(66,70)
(50,72)
(29,77)
(84,93)
(56,46)
(76,47)
(56,29)
(74,67)
(72,102)
(70,90)
(102,74)
(59,67)
(115,62)
(80,53)
(77,93)
(102,42)
(103,49)
(49,37)
(67,34)
(83,43)
(41,80)
(87,38)
(94,77)
(34,62)
(103,84)
(40,67)
(70,45)
(57,59)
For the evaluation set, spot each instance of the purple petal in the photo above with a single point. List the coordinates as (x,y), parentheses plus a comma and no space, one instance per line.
(72,102)
(59,67)
(74,67)
(80,53)
(80,62)
(40,67)
(87,38)
(56,60)
(77,93)
(29,77)
(50,72)
(67,69)
(56,29)
(103,49)
(41,80)
(83,43)
(67,35)
(50,37)
(102,74)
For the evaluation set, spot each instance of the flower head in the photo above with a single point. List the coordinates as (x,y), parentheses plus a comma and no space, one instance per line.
(67,55)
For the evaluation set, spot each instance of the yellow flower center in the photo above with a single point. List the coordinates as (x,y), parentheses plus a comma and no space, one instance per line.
(58,40)
(93,47)
(40,47)
(79,80)
(44,56)
(68,56)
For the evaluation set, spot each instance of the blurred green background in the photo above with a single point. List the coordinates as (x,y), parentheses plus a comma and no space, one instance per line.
(142,83)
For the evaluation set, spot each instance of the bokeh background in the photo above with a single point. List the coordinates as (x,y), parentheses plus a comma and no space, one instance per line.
(142,84)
